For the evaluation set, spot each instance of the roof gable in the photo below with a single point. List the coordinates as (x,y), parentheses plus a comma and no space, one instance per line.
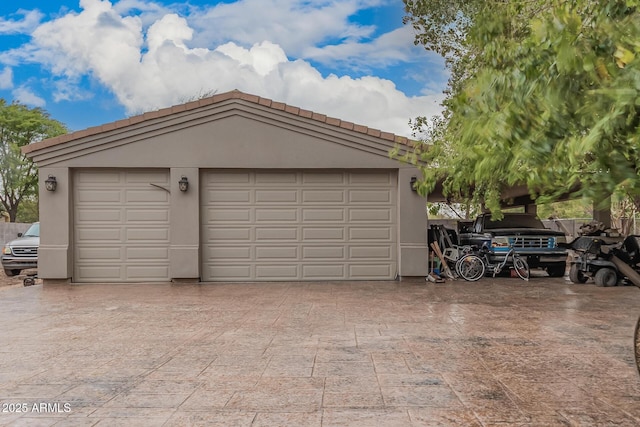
(32,150)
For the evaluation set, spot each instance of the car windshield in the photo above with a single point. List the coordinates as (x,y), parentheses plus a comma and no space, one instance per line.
(33,231)
(513,221)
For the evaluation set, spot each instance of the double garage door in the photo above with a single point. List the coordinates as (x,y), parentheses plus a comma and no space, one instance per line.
(298,225)
(255,225)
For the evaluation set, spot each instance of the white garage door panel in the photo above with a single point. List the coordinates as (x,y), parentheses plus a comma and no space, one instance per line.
(275,252)
(85,235)
(370,233)
(121,226)
(282,234)
(105,216)
(334,234)
(230,252)
(230,215)
(227,234)
(323,252)
(319,272)
(147,273)
(297,225)
(370,252)
(100,273)
(368,271)
(228,272)
(322,215)
(374,215)
(146,254)
(323,196)
(93,254)
(369,196)
(275,178)
(147,216)
(135,234)
(227,196)
(280,215)
(101,196)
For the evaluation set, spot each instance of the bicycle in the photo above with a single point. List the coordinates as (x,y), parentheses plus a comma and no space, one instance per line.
(472,266)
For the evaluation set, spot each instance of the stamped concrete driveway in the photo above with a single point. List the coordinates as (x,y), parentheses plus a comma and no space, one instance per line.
(493,353)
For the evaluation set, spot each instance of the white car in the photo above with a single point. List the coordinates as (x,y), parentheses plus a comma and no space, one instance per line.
(22,253)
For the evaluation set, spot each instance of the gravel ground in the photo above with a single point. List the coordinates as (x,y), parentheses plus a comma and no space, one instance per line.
(6,282)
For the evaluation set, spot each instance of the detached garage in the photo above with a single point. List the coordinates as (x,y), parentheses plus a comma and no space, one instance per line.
(229,188)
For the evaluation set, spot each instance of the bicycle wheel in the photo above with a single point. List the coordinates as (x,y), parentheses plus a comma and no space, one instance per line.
(521,267)
(470,267)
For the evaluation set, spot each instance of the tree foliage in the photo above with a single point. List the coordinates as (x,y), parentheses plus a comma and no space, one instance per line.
(549,98)
(19,126)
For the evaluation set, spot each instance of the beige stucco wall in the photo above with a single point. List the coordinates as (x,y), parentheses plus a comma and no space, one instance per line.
(184,250)
(55,255)
(235,141)
(413,253)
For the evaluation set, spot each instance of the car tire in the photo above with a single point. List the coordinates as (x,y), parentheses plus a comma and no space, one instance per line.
(606,277)
(576,276)
(12,273)
(556,270)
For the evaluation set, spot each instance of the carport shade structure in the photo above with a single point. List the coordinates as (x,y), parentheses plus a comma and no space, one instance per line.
(275,193)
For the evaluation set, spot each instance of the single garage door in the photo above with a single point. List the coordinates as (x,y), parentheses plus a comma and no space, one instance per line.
(298,225)
(121,229)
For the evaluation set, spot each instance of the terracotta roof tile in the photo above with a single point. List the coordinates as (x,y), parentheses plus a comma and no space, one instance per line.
(217,98)
(319,117)
(347,125)
(121,123)
(305,113)
(192,105)
(292,110)
(388,136)
(206,101)
(109,126)
(179,108)
(360,128)
(135,119)
(332,121)
(248,97)
(226,95)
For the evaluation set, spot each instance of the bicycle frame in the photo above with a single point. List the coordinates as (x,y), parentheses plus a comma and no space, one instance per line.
(497,267)
(519,264)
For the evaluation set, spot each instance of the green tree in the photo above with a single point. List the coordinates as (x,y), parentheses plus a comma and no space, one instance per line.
(19,126)
(548,99)
(28,210)
(579,208)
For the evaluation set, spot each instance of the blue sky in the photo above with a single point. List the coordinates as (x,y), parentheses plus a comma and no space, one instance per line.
(90,62)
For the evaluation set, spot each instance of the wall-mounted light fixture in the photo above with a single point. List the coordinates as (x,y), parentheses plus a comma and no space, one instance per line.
(50,183)
(412,182)
(183,183)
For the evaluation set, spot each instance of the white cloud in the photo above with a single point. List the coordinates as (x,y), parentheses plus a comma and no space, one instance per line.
(292,24)
(24,95)
(102,43)
(392,47)
(370,101)
(70,90)
(6,78)
(25,25)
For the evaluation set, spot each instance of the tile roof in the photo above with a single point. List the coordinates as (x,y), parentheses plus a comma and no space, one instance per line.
(234,94)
